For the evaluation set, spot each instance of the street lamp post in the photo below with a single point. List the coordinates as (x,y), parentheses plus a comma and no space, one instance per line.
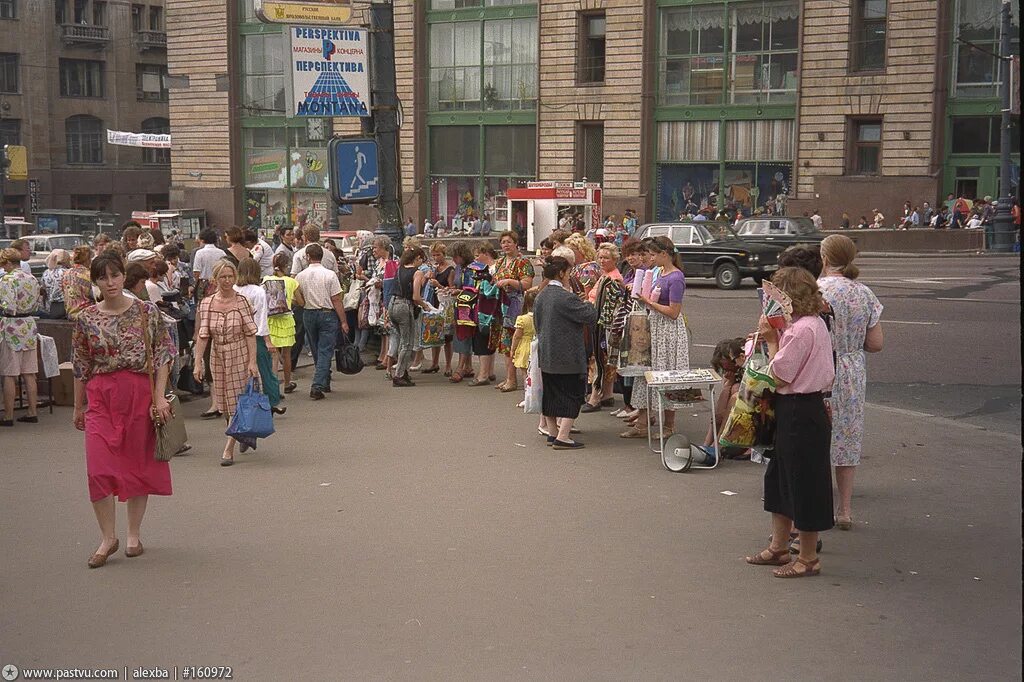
(1002,228)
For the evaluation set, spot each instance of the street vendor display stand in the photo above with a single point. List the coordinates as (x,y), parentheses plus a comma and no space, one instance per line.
(659,385)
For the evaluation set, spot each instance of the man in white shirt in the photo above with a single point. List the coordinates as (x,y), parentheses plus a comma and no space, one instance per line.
(300,262)
(287,245)
(262,252)
(323,311)
(816,219)
(203,261)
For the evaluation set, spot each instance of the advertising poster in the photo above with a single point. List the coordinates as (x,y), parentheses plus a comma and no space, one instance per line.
(329,71)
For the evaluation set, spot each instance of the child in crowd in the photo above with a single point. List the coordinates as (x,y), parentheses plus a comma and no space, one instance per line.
(523,336)
(727,359)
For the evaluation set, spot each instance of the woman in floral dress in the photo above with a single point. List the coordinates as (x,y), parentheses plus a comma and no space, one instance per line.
(112,369)
(513,275)
(855,329)
(227,320)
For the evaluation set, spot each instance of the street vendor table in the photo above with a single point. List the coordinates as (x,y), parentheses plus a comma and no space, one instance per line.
(660,384)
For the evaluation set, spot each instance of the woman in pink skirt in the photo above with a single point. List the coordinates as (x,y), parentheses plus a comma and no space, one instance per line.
(112,374)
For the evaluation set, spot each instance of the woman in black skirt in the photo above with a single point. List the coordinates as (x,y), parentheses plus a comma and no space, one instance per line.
(559,317)
(798,480)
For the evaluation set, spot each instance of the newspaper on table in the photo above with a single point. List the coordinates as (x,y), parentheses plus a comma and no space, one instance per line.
(688,376)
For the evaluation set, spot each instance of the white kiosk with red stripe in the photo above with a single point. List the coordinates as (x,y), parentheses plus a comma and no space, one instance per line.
(540,204)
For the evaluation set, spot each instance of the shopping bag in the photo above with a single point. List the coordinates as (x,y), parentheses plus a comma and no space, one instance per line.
(534,383)
(752,419)
(277,297)
(253,418)
(48,354)
(432,324)
(635,355)
(346,356)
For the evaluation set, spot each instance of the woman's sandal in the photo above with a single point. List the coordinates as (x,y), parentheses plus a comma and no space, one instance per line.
(811,568)
(508,388)
(770,557)
(479,382)
(633,433)
(844,522)
(455,377)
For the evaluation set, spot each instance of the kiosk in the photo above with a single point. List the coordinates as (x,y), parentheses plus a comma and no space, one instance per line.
(541,204)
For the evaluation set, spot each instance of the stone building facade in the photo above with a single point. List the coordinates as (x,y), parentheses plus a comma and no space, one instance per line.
(69,71)
(777,105)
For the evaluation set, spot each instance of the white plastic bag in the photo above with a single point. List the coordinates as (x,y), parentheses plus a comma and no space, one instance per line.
(534,384)
(48,352)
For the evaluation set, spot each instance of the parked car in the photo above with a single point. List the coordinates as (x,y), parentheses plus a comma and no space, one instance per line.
(43,244)
(779,230)
(712,249)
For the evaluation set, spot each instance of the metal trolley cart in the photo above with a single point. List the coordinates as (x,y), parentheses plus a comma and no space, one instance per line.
(659,385)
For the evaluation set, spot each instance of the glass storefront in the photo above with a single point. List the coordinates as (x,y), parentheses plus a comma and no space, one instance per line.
(286,178)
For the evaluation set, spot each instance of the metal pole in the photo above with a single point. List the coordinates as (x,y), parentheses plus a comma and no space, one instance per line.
(3,188)
(1003,237)
(384,119)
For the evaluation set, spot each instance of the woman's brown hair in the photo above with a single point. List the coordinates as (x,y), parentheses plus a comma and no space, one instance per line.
(410,255)
(233,235)
(108,260)
(10,255)
(840,251)
(248,272)
(82,255)
(802,288)
(134,273)
(511,235)
(664,245)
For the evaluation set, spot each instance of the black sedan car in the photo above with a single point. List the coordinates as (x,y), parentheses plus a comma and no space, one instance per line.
(779,230)
(711,249)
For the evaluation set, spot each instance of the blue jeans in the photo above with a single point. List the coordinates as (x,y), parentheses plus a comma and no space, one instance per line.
(322,334)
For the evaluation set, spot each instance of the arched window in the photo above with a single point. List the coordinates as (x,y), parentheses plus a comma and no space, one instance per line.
(156,126)
(84,139)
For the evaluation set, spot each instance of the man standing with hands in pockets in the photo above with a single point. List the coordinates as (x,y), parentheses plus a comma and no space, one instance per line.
(323,312)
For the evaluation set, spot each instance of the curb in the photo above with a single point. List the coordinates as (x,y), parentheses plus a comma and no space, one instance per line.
(935,254)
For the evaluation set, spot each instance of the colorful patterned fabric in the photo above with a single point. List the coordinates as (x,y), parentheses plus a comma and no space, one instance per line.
(856,308)
(517,268)
(53,283)
(20,294)
(77,290)
(103,344)
(587,274)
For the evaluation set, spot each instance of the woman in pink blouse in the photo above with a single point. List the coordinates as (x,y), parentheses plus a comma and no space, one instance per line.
(112,374)
(798,480)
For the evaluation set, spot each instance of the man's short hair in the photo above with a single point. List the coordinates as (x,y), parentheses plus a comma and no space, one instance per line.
(208,236)
(311,233)
(314,253)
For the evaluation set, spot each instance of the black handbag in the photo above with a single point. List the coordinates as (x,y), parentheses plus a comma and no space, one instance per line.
(346,356)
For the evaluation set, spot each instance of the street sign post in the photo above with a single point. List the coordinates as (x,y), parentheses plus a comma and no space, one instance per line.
(328,12)
(354,167)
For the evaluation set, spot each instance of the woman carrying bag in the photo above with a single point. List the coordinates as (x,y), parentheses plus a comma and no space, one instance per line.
(112,367)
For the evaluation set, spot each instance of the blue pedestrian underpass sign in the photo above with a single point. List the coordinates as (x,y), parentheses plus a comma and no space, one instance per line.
(354,169)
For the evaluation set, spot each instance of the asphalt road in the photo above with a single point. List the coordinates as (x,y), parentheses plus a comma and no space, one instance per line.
(426,533)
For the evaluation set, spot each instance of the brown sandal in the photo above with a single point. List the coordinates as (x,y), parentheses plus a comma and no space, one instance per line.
(811,568)
(773,558)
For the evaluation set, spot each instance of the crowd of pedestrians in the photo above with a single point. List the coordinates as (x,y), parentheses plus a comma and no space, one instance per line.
(148,321)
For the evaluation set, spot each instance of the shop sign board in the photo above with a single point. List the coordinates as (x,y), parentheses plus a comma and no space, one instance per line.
(324,12)
(329,69)
(355,170)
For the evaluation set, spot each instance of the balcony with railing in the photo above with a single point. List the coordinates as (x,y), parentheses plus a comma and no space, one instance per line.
(151,40)
(85,34)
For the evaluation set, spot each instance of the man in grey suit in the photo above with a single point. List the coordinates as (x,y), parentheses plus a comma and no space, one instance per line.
(559,318)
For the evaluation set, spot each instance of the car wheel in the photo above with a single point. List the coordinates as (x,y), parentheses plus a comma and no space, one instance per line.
(727,276)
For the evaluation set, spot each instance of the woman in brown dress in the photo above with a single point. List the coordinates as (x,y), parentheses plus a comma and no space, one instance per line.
(227,319)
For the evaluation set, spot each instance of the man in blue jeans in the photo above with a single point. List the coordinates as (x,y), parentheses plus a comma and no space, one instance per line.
(323,313)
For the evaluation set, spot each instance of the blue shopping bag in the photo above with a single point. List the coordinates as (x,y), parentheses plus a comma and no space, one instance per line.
(253,418)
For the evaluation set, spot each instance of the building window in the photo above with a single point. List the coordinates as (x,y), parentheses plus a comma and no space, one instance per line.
(980,134)
(758,41)
(160,156)
(156,18)
(591,28)
(99,13)
(60,11)
(10,131)
(90,202)
(158,202)
(866,148)
(976,69)
(81,78)
(469,4)
(150,82)
(867,40)
(137,12)
(263,79)
(9,73)
(8,9)
(590,151)
(84,139)
(764,42)
(483,65)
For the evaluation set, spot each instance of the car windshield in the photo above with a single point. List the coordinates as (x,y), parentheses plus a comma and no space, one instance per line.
(715,232)
(754,227)
(67,243)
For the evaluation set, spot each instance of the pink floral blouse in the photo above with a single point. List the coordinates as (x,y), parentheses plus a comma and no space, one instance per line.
(103,343)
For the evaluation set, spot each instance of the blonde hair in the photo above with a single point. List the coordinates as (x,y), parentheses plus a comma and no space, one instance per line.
(221,264)
(10,256)
(58,257)
(249,272)
(611,249)
(840,252)
(564,252)
(411,242)
(579,242)
(438,247)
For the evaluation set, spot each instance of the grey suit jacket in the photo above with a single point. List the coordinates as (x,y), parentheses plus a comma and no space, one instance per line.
(559,318)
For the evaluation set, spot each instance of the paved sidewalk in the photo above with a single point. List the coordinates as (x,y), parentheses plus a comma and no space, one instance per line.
(426,534)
